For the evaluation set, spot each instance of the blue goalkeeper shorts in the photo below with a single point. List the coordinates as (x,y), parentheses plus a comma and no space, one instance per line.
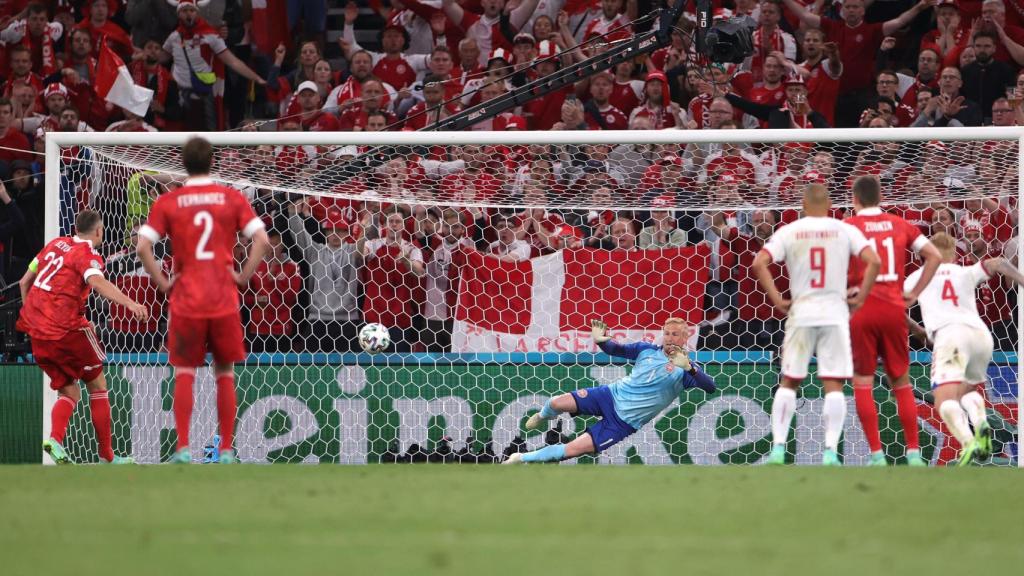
(611,429)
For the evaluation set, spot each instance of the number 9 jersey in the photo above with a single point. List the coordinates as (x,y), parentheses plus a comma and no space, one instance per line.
(202,220)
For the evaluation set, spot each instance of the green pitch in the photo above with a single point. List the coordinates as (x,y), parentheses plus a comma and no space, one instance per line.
(430,519)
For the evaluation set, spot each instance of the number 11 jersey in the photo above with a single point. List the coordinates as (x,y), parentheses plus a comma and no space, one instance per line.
(202,221)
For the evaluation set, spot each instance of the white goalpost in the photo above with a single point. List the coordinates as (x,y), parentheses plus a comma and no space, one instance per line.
(523,237)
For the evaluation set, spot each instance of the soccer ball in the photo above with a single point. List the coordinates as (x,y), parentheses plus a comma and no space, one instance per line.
(374,338)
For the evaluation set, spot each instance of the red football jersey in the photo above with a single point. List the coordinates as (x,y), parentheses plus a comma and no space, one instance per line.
(55,304)
(891,237)
(202,221)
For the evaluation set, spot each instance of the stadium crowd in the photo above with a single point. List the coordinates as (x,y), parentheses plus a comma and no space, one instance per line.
(323,66)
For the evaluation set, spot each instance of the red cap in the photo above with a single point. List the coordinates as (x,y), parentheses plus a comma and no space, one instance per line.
(794,80)
(658,75)
(500,54)
(948,3)
(973,226)
(515,123)
(546,49)
(55,88)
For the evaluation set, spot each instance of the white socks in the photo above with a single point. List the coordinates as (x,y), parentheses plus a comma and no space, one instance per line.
(783,408)
(956,420)
(974,405)
(834,414)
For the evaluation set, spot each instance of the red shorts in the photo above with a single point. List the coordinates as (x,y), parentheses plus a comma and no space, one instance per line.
(77,356)
(188,340)
(880,331)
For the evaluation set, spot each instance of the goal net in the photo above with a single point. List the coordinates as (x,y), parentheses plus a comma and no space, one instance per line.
(490,253)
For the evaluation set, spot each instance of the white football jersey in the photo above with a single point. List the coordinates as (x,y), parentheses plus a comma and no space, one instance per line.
(817,253)
(950,297)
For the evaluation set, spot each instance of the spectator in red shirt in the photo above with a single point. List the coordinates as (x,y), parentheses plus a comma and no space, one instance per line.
(951,33)
(759,324)
(657,105)
(355,117)
(101,29)
(822,71)
(20,63)
(271,295)
(39,35)
(770,91)
(313,118)
(770,38)
(858,42)
(13,143)
(148,72)
(600,114)
(995,299)
(494,28)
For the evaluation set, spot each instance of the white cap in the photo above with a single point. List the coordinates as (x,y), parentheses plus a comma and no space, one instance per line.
(307,85)
(348,151)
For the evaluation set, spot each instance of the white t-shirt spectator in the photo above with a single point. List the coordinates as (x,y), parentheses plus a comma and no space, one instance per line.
(176,48)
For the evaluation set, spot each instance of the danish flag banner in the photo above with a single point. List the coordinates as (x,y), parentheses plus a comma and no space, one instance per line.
(114,84)
(545,304)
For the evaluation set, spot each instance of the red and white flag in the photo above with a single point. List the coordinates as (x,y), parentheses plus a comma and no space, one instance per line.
(546,304)
(114,84)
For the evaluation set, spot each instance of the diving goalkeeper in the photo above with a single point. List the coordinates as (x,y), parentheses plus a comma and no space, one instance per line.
(659,375)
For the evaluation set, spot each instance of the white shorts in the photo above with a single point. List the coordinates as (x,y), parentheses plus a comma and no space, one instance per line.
(962,354)
(830,344)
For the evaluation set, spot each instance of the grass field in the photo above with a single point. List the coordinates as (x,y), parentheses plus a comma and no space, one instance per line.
(431,519)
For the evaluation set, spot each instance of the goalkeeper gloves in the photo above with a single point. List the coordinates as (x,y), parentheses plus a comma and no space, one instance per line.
(680,358)
(599,331)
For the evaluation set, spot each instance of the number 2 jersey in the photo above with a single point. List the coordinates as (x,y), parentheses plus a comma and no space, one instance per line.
(817,253)
(55,304)
(891,237)
(949,297)
(202,220)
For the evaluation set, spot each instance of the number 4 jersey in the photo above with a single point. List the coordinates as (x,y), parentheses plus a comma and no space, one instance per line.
(55,304)
(949,297)
(202,221)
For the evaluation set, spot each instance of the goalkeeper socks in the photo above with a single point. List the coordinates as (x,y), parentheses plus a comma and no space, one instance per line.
(99,406)
(183,400)
(552,453)
(956,420)
(906,407)
(867,413)
(60,416)
(226,409)
(974,406)
(783,408)
(547,412)
(834,413)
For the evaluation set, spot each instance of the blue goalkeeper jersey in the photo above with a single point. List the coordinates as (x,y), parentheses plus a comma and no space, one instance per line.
(652,385)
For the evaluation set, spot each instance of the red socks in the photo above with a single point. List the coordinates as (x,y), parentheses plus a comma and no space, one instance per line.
(867,412)
(183,401)
(906,407)
(60,416)
(99,405)
(226,409)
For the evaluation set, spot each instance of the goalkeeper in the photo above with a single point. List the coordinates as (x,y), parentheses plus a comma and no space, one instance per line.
(658,376)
